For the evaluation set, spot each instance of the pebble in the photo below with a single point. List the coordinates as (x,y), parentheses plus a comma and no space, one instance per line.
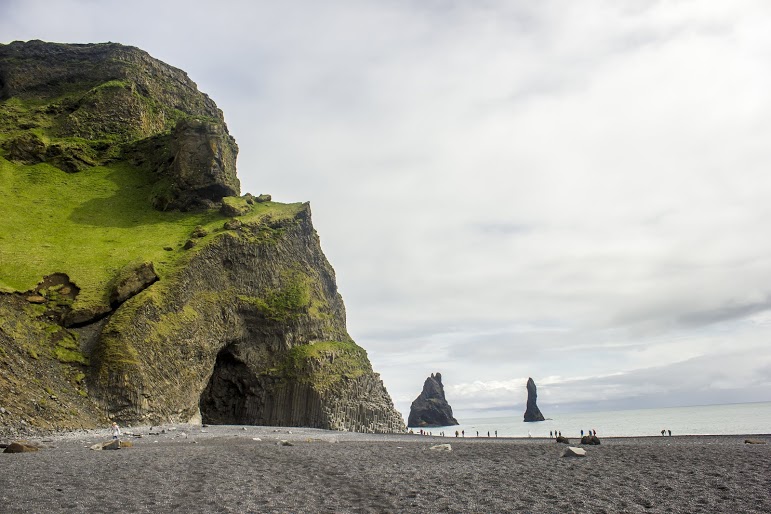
(2,410)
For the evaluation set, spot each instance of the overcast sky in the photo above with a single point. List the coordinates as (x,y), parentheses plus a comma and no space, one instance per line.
(577,192)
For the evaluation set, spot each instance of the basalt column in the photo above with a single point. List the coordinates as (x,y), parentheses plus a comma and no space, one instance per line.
(532,413)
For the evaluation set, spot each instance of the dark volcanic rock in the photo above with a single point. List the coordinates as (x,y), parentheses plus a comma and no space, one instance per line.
(246,326)
(132,281)
(590,439)
(431,409)
(128,104)
(532,413)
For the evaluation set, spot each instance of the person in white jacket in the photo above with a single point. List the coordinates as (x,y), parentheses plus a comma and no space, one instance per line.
(115,430)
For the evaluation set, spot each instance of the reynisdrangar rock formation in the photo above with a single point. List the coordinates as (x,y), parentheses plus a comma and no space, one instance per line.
(145,289)
(532,412)
(430,408)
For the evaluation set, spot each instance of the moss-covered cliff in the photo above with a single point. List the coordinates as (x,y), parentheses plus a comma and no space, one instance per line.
(134,282)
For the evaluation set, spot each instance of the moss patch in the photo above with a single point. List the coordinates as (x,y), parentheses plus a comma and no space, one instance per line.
(325,364)
(91,225)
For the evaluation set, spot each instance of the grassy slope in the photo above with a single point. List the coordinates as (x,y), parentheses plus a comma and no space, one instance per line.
(89,225)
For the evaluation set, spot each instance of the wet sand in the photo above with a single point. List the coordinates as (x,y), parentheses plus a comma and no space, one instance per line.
(224,469)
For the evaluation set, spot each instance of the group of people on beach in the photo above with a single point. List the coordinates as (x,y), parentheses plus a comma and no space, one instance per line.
(461,433)
(665,432)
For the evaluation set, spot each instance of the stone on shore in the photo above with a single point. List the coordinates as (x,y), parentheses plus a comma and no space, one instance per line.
(561,439)
(19,447)
(590,439)
(442,447)
(572,451)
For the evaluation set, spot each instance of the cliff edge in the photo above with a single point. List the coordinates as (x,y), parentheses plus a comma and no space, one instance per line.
(137,284)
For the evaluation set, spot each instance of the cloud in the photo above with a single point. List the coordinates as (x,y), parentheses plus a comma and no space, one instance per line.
(505,189)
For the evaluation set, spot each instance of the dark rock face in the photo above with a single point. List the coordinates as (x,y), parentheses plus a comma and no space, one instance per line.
(431,409)
(246,327)
(532,412)
(248,358)
(132,281)
(120,100)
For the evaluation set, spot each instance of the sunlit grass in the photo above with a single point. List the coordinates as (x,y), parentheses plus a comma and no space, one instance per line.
(90,225)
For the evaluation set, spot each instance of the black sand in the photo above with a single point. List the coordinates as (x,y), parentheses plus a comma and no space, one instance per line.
(223,469)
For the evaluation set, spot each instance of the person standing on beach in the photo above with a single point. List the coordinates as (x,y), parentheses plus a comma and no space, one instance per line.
(670,433)
(115,431)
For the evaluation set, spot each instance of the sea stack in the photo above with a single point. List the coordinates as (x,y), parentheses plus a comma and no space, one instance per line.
(431,409)
(532,413)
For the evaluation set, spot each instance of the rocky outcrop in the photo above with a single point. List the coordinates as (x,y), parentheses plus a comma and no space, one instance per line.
(237,321)
(256,317)
(100,101)
(532,412)
(430,408)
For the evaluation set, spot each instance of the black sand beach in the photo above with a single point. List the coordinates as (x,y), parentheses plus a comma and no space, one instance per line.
(224,469)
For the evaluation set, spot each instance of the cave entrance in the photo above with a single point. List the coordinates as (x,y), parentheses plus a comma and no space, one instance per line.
(234,395)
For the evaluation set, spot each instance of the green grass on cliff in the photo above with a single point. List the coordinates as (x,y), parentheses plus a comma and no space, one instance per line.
(326,363)
(90,225)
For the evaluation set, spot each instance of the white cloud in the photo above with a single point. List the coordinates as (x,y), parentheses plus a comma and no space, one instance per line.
(506,189)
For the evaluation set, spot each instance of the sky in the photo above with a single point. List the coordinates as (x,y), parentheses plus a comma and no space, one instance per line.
(577,192)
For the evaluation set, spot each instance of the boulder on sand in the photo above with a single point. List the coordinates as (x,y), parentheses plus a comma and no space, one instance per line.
(441,447)
(19,447)
(572,451)
(561,439)
(590,439)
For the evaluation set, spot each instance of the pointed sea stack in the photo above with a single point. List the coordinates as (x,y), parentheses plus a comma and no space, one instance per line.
(431,409)
(532,413)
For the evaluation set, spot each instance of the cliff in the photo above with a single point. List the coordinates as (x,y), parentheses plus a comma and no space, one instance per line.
(430,408)
(136,284)
(532,412)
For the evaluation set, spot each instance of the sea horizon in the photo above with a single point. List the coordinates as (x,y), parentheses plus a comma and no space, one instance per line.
(716,419)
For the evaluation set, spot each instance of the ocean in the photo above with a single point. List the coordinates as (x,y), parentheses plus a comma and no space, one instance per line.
(741,418)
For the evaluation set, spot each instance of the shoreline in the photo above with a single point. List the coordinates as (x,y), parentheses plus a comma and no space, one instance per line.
(206,431)
(234,468)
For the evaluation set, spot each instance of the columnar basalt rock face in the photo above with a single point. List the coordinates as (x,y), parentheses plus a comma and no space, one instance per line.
(430,408)
(249,358)
(532,412)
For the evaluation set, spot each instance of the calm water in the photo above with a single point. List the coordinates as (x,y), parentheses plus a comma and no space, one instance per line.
(743,418)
